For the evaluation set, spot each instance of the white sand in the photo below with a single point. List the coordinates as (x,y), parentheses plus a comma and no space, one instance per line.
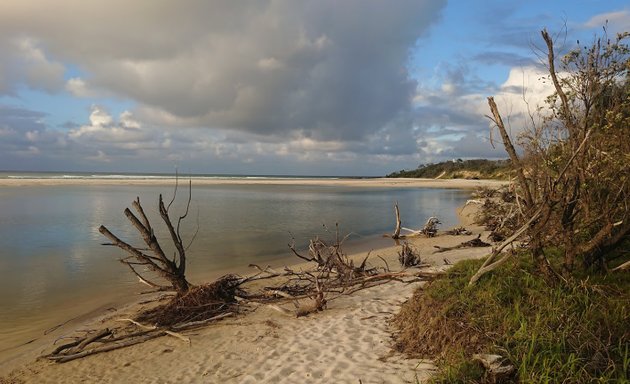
(348,342)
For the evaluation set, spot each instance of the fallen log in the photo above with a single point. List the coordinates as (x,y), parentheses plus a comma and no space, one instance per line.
(105,348)
(473,243)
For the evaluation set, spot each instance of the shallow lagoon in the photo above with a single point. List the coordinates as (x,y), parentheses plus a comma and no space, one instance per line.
(53,265)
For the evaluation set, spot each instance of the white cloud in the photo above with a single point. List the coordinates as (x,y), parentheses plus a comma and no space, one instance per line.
(100,117)
(79,88)
(125,133)
(618,21)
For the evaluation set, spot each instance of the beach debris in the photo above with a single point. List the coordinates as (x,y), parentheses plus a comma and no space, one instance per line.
(106,345)
(458,231)
(408,256)
(199,306)
(472,243)
(332,262)
(110,339)
(430,228)
(318,301)
(191,306)
(496,236)
(198,303)
(496,366)
(332,275)
(622,267)
(396,234)
(154,258)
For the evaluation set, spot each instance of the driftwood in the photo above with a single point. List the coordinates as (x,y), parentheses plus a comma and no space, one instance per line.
(458,231)
(331,275)
(65,357)
(623,266)
(172,270)
(396,234)
(430,228)
(112,339)
(407,256)
(332,262)
(198,304)
(476,242)
(490,264)
(495,365)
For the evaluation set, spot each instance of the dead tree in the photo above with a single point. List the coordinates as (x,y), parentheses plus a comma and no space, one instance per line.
(154,258)
(333,262)
(396,234)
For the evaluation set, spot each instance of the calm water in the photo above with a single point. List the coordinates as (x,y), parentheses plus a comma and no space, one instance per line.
(52,262)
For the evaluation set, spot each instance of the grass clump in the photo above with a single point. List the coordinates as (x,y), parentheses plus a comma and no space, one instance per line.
(577,332)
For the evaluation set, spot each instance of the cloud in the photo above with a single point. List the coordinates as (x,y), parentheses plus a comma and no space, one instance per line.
(618,21)
(264,86)
(24,61)
(104,133)
(449,127)
(25,138)
(509,59)
(329,70)
(79,88)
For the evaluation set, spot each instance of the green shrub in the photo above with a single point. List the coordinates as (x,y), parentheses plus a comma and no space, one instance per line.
(575,333)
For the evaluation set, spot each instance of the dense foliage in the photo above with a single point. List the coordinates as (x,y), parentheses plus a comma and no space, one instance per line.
(459,169)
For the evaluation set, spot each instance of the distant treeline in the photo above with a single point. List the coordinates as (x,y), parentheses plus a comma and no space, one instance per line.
(459,169)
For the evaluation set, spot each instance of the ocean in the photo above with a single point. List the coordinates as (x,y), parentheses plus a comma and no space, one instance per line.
(54,266)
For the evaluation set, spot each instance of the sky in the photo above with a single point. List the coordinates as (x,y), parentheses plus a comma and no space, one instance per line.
(288,87)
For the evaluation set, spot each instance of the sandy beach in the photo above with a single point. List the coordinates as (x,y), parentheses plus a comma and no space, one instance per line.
(350,342)
(344,182)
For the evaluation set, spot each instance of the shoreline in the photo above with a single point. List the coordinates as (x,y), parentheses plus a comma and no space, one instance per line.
(342,313)
(340,182)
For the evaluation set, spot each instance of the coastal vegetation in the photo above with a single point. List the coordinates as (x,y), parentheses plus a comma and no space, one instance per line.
(551,301)
(459,169)
(572,333)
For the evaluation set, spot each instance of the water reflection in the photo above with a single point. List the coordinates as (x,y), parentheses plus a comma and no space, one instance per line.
(51,257)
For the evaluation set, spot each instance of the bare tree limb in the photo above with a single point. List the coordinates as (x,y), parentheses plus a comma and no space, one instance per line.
(396,234)
(507,143)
